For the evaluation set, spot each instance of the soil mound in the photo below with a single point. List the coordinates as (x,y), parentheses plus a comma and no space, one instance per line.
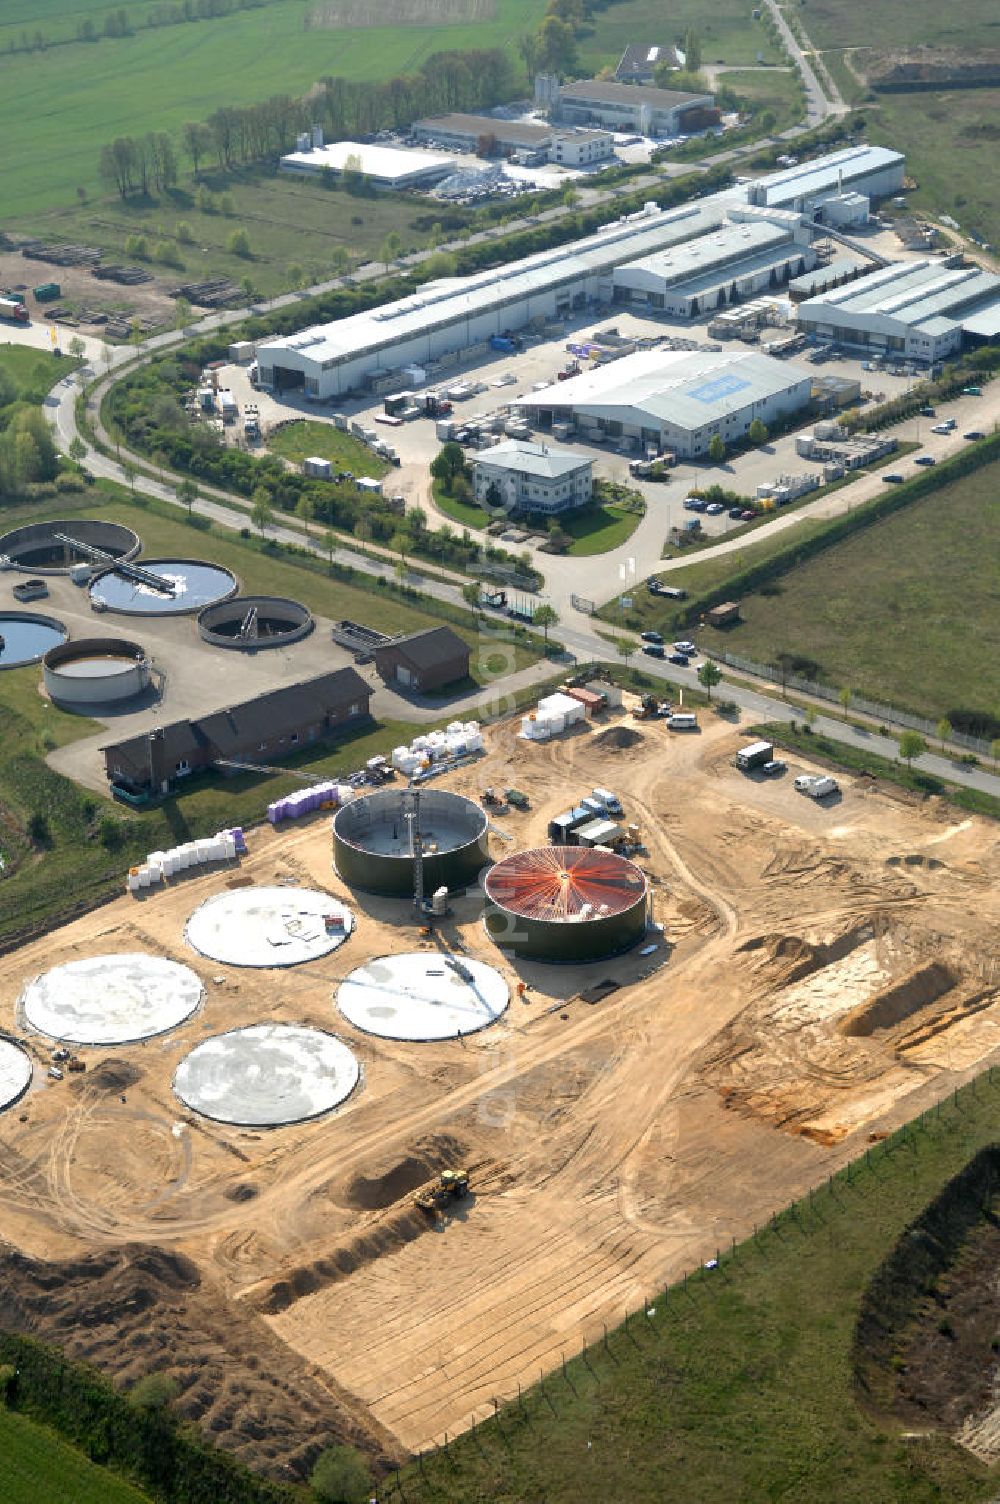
(113,1075)
(618,739)
(243,1191)
(389,1184)
(141,1309)
(923,985)
(387,1236)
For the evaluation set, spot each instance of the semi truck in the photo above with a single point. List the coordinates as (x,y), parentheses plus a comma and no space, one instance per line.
(14,311)
(754,756)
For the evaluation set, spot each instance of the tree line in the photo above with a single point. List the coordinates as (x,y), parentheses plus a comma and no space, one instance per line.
(27,451)
(119,23)
(236,135)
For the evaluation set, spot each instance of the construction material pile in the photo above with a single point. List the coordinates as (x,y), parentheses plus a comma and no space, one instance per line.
(328,795)
(553,715)
(224,846)
(459,739)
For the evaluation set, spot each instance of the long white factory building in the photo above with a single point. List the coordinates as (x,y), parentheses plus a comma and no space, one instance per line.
(673,399)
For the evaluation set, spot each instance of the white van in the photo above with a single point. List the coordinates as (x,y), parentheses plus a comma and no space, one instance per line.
(608,800)
(816,786)
(683,720)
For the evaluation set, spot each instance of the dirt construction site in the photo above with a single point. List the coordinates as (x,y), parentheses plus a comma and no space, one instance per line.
(815,975)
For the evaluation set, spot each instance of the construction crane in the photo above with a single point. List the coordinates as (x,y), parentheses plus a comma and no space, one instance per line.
(411,814)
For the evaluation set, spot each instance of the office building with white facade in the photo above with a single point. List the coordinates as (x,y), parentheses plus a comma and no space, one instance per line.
(525,477)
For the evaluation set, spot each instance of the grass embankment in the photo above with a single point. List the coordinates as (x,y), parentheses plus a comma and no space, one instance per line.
(306,438)
(905,612)
(39,1468)
(741,1385)
(169,75)
(826,749)
(33,371)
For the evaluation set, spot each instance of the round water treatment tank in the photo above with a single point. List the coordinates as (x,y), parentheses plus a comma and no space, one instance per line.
(15,1072)
(25,637)
(162,587)
(40,547)
(373,841)
(248,622)
(95,671)
(565,903)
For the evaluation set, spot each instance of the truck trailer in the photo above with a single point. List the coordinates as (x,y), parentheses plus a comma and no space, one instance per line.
(754,756)
(14,311)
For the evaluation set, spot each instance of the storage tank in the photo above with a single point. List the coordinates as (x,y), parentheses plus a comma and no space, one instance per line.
(373,844)
(565,903)
(95,671)
(249,622)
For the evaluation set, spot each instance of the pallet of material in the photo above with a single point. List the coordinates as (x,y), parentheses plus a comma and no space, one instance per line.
(210,294)
(63,255)
(127,274)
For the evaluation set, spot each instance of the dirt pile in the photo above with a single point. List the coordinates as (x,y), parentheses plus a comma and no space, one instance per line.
(923,985)
(140,1309)
(383,1187)
(111,1075)
(388,1235)
(618,739)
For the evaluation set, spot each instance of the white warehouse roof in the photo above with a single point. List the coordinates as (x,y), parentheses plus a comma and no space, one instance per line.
(442,303)
(914,293)
(533,459)
(386,163)
(809,179)
(697,257)
(687,388)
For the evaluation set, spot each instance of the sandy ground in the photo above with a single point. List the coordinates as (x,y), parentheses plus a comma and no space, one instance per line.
(823,974)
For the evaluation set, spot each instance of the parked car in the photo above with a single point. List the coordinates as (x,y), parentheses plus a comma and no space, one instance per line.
(925,459)
(928,412)
(684,646)
(947,426)
(715,509)
(892,479)
(653,650)
(747,515)
(973,433)
(680,659)
(773,767)
(736,514)
(651,636)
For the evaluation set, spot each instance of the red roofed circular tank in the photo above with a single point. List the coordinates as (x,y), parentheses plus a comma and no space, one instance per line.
(565,903)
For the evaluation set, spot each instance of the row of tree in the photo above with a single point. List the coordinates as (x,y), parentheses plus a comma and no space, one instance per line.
(27,451)
(235,135)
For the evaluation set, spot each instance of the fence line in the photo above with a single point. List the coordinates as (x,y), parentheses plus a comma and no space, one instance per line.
(888,714)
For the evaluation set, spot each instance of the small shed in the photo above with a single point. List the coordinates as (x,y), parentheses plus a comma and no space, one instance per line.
(424,661)
(598,833)
(590,701)
(725,614)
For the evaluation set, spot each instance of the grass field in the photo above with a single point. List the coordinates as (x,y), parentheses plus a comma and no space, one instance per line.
(39,1468)
(59,106)
(886,23)
(740,1386)
(304,439)
(777,90)
(727,31)
(598,529)
(33,371)
(904,612)
(289,221)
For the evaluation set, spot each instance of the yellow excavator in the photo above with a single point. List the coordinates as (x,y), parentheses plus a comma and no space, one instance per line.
(452,1185)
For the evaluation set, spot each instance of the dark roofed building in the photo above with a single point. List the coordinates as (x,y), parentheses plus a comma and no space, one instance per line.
(260,730)
(640,60)
(636,107)
(424,661)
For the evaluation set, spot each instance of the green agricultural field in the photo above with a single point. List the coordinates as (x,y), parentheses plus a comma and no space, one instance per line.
(39,1468)
(60,105)
(886,23)
(738,1387)
(304,439)
(727,31)
(777,90)
(904,611)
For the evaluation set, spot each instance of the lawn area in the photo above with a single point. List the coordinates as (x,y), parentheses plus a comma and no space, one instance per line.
(40,1468)
(60,105)
(904,612)
(597,530)
(307,438)
(34,371)
(727,31)
(465,513)
(739,1386)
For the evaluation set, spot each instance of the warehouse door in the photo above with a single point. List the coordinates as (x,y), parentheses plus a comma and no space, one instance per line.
(286,380)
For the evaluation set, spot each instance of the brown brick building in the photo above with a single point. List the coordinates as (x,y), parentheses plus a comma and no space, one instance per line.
(424,661)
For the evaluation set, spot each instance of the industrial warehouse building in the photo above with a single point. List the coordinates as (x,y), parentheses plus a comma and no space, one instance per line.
(258,731)
(329,360)
(735,262)
(923,310)
(385,166)
(523,138)
(673,399)
(525,477)
(874,171)
(424,661)
(634,107)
